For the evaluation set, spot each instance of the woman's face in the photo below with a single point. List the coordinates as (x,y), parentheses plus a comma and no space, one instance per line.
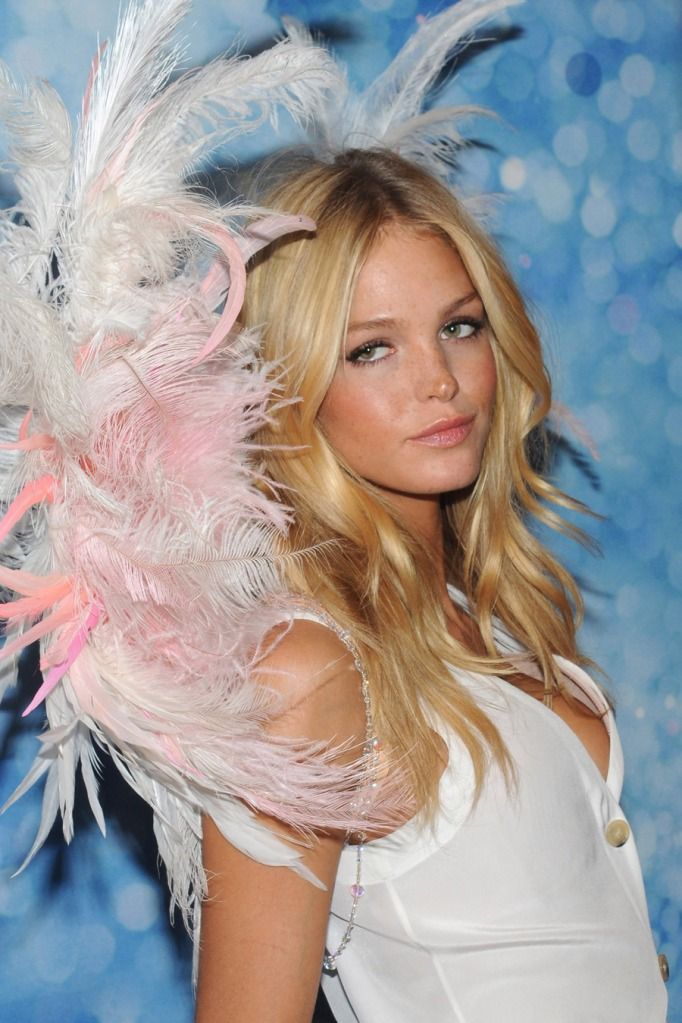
(410,405)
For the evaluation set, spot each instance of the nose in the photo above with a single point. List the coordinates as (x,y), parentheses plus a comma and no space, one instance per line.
(434,377)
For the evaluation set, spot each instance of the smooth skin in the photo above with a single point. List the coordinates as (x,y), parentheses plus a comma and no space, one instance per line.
(417,357)
(263,928)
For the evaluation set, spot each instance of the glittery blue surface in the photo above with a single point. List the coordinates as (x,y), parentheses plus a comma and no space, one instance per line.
(586,160)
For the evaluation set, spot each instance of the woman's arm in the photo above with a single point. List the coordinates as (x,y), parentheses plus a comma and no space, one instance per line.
(263,928)
(262,935)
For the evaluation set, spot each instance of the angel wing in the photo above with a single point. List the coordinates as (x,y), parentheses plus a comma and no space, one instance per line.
(139,545)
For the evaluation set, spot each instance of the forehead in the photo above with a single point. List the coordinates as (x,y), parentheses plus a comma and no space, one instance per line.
(406,264)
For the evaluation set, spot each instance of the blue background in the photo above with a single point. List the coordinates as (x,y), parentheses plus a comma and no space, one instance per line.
(585,161)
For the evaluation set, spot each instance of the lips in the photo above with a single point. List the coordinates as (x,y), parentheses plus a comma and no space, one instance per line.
(446,432)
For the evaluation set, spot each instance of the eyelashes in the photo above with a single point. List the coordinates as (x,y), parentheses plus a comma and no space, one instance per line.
(463,328)
(365,353)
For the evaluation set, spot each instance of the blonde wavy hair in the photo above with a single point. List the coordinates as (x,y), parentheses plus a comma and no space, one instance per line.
(375,578)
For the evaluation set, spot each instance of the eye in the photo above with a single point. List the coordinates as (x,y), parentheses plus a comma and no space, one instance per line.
(462,328)
(370,351)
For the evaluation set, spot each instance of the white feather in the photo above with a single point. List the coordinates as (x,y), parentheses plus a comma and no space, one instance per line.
(390,112)
(40,148)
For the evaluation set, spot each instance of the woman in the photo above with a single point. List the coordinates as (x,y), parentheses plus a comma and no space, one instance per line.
(510,890)
(412,381)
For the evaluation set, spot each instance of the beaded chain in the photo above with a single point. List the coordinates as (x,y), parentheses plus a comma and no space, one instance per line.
(370,753)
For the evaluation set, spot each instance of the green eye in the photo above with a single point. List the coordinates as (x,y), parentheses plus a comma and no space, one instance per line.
(462,329)
(371,351)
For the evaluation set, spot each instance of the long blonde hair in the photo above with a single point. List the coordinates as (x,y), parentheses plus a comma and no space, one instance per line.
(375,578)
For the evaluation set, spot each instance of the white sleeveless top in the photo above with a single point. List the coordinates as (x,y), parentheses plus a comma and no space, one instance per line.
(528,908)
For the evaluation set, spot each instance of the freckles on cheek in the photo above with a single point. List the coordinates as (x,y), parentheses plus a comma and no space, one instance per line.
(488,380)
(351,424)
(335,416)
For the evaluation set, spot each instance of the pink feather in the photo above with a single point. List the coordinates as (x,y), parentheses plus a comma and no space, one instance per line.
(42,489)
(27,583)
(62,613)
(59,670)
(37,442)
(36,604)
(235,295)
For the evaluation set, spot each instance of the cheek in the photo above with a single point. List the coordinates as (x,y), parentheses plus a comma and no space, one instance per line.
(492,379)
(350,407)
(335,408)
(337,415)
(355,417)
(484,380)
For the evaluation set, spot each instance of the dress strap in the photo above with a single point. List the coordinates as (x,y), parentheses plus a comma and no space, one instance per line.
(318,615)
(371,752)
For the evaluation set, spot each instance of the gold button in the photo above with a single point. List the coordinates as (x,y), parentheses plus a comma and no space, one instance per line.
(663,966)
(617,832)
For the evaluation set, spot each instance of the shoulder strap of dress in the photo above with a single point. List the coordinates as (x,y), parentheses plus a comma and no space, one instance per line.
(314,614)
(371,754)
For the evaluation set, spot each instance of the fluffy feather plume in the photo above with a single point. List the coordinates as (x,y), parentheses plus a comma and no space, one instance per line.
(39,133)
(138,546)
(390,111)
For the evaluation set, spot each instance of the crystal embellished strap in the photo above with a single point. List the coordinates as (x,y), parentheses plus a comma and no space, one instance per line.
(370,753)
(324,619)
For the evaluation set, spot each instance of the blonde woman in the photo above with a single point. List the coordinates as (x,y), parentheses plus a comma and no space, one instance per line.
(463,855)
(434,622)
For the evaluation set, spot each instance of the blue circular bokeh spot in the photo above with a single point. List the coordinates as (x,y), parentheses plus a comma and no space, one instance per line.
(583,74)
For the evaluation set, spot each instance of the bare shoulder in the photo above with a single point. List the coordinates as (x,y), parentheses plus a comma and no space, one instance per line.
(315,675)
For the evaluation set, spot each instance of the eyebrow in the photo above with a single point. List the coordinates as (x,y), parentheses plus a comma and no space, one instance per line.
(388,321)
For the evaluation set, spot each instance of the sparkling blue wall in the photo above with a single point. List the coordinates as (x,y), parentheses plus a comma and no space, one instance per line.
(587,158)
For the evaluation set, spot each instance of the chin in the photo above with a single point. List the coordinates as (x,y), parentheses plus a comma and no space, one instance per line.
(447,483)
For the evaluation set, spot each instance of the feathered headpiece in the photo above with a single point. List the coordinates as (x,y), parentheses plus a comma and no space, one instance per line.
(151,575)
(390,111)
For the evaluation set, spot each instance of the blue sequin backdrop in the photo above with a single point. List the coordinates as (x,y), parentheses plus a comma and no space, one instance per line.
(586,160)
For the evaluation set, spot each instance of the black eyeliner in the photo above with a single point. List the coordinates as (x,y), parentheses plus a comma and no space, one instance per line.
(366,346)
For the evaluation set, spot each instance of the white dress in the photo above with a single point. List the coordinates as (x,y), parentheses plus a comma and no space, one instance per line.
(530,908)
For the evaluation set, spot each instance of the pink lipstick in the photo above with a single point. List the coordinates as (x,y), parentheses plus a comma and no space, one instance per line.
(446,433)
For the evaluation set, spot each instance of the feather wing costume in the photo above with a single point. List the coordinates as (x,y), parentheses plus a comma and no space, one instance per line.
(138,546)
(137,543)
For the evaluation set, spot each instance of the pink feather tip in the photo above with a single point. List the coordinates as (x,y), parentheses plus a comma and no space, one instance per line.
(55,674)
(42,489)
